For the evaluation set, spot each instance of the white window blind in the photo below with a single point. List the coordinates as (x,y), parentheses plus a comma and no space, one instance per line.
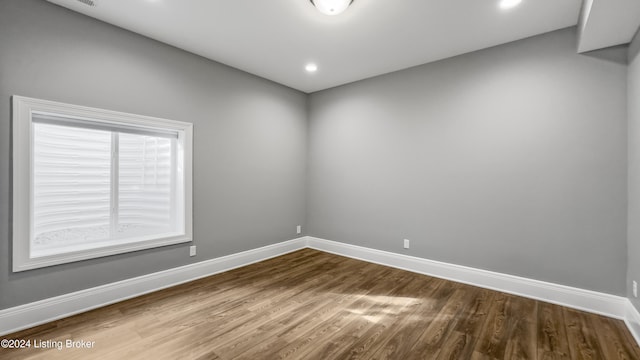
(99,186)
(71,188)
(146,197)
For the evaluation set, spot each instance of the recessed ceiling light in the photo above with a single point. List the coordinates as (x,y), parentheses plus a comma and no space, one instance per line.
(311,67)
(331,7)
(507,4)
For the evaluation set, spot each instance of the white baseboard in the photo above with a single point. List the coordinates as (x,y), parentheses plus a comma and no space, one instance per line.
(591,301)
(43,311)
(632,319)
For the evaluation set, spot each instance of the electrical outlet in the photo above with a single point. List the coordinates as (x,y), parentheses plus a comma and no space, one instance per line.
(192,250)
(298,229)
(635,288)
(406,243)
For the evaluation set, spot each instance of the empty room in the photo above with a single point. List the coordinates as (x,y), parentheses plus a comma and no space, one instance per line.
(319,179)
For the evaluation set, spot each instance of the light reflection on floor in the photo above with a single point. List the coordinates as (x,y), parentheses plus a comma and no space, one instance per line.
(379,307)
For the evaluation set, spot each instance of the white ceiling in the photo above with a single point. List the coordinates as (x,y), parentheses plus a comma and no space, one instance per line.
(274,39)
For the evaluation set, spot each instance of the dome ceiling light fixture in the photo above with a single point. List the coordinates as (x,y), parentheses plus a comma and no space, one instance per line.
(331,7)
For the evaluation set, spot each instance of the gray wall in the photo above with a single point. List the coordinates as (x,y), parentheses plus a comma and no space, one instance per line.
(511,159)
(249,146)
(633,235)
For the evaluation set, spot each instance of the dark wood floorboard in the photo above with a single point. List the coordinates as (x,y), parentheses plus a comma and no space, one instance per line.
(314,305)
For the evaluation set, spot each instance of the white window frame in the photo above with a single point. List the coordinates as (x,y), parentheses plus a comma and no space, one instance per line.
(23,109)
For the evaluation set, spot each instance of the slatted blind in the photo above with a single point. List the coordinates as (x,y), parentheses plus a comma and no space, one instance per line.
(145,191)
(71,186)
(94,185)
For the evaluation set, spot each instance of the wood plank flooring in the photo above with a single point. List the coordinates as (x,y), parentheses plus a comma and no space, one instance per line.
(314,305)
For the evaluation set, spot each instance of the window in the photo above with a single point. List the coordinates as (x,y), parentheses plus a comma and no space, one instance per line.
(89,183)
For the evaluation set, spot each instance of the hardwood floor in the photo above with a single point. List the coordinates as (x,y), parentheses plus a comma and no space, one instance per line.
(314,305)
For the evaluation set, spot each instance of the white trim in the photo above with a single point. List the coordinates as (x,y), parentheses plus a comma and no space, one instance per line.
(23,109)
(43,311)
(632,319)
(587,300)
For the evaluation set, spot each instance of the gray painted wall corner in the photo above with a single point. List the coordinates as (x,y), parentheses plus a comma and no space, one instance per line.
(510,159)
(633,223)
(249,139)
